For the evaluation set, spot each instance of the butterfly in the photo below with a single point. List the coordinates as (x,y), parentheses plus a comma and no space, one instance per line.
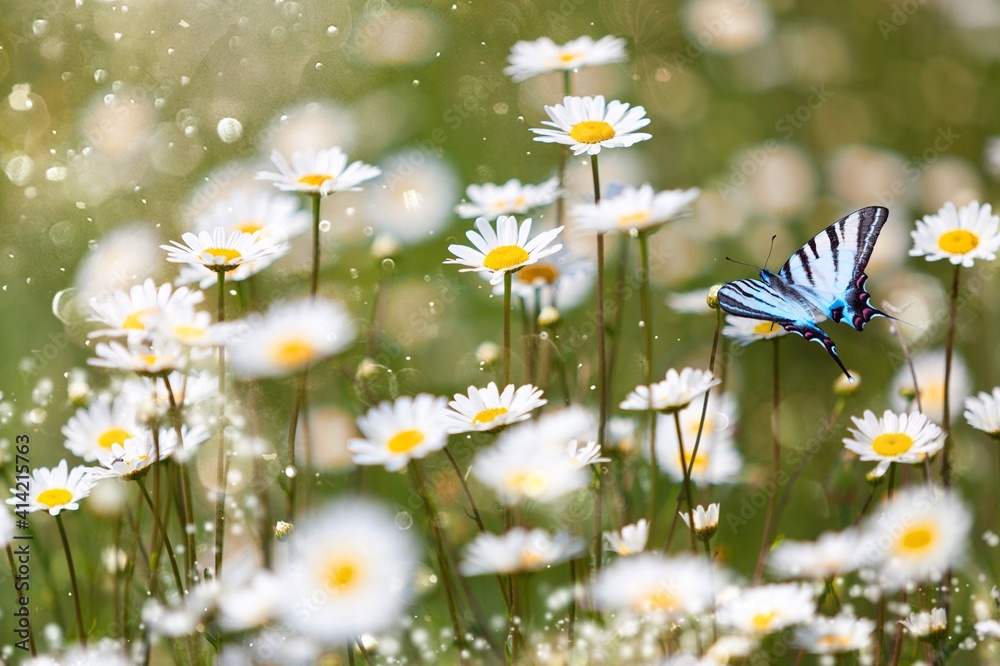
(826,277)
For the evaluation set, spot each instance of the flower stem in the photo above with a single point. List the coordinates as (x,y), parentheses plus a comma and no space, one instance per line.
(687,480)
(314,275)
(775,459)
(602,373)
(189,562)
(505,372)
(371,344)
(300,396)
(647,326)
(166,539)
(948,352)
(72,581)
(220,473)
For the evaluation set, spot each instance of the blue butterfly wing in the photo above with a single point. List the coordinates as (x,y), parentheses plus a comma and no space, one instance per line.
(829,270)
(779,303)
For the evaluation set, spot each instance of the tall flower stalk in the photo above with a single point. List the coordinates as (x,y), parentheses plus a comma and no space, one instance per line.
(647,329)
(775,457)
(72,581)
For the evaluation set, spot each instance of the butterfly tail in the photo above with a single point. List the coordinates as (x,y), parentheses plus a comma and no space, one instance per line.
(859,310)
(814,333)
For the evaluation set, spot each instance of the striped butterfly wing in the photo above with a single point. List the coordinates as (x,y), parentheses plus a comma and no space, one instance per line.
(829,270)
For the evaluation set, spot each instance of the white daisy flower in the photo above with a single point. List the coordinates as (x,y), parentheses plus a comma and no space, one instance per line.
(189,389)
(929,367)
(719,428)
(830,554)
(488,409)
(585,453)
(54,490)
(351,572)
(132,313)
(6,527)
(632,209)
(277,216)
(400,431)
(587,124)
(768,608)
(518,550)
(745,331)
(959,235)
(505,250)
(557,428)
(157,358)
(982,412)
(520,468)
(132,458)
(100,425)
(927,626)
(248,600)
(621,434)
(653,585)
(894,438)
(673,393)
(562,280)
(691,302)
(412,205)
(916,538)
(835,635)
(291,337)
(706,521)
(193,328)
(185,617)
(491,201)
(630,540)
(988,629)
(541,56)
(718,460)
(219,252)
(318,172)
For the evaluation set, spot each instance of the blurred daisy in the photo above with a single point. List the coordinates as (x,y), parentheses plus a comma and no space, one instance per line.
(411,205)
(691,302)
(630,540)
(744,330)
(585,453)
(99,426)
(929,367)
(927,626)
(672,394)
(719,428)
(220,252)
(487,408)
(894,438)
(557,428)
(189,389)
(987,629)
(541,56)
(505,250)
(982,412)
(835,635)
(249,600)
(318,172)
(653,585)
(400,431)
(491,201)
(718,461)
(54,490)
(768,608)
(193,328)
(277,217)
(157,358)
(291,337)
(916,538)
(633,209)
(524,469)
(830,554)
(587,124)
(706,521)
(351,572)
(959,235)
(185,617)
(518,550)
(621,434)
(132,313)
(562,280)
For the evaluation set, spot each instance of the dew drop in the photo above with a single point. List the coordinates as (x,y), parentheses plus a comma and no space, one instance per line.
(324,225)
(230,130)
(388,264)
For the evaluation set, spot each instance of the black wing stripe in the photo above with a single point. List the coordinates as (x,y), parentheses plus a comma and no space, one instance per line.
(800,253)
(834,239)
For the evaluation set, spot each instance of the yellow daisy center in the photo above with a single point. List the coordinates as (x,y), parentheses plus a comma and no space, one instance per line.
(764,328)
(535,272)
(505,257)
(55,497)
(520,202)
(834,641)
(530,483)
(530,559)
(892,443)
(133,322)
(342,574)
(958,241)
(592,131)
(405,441)
(489,415)
(763,621)
(228,254)
(708,429)
(314,179)
(188,332)
(113,436)
(658,601)
(917,539)
(700,463)
(149,359)
(249,226)
(635,219)
(292,353)
(567,57)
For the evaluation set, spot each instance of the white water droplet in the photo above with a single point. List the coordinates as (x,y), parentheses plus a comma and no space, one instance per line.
(324,225)
(230,130)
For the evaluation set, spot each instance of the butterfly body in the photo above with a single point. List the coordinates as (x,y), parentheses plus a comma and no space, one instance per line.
(825,278)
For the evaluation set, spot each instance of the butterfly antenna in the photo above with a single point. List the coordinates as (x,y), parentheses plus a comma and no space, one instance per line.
(770,251)
(742,263)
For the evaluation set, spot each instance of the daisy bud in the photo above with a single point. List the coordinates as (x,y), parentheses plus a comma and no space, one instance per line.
(283,531)
(907,393)
(78,388)
(385,246)
(926,626)
(713,297)
(549,316)
(367,369)
(488,353)
(843,387)
(873,478)
(706,521)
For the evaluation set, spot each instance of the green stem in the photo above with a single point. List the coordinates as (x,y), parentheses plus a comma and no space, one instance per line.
(647,326)
(178,580)
(300,395)
(687,480)
(220,463)
(314,274)
(944,591)
(775,459)
(602,373)
(189,560)
(72,581)
(505,373)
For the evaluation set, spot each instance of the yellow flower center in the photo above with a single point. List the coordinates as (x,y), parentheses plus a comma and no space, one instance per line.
(404,441)
(342,574)
(149,359)
(638,218)
(958,241)
(133,322)
(536,272)
(763,621)
(293,353)
(228,255)
(531,559)
(114,436)
(55,497)
(700,463)
(489,415)
(916,539)
(892,444)
(530,483)
(592,131)
(764,328)
(188,332)
(505,257)
(249,226)
(834,642)
(314,179)
(658,601)
(520,202)
(708,429)
(568,57)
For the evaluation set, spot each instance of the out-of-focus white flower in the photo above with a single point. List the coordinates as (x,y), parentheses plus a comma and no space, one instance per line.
(123,257)
(186,617)
(250,600)
(718,460)
(690,302)
(673,393)
(982,412)
(488,409)
(653,585)
(894,438)
(541,56)
(929,367)
(588,124)
(927,626)
(831,553)
(630,540)
(277,217)
(504,250)
(633,209)
(412,203)
(400,431)
(54,490)
(521,468)
(6,527)
(768,608)
(721,27)
(132,313)
(518,550)
(318,172)
(491,201)
(835,635)
(959,235)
